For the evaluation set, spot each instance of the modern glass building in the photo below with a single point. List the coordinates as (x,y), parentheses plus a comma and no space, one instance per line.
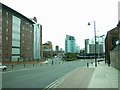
(70,44)
(36,54)
(15,37)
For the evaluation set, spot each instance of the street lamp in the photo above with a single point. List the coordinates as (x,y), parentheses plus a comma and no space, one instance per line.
(95,42)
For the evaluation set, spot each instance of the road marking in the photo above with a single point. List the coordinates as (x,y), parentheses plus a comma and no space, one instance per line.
(59,80)
(54,84)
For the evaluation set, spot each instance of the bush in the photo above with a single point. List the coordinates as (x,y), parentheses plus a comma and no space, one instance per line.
(70,56)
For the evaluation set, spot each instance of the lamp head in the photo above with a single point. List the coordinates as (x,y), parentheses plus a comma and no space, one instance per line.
(88,23)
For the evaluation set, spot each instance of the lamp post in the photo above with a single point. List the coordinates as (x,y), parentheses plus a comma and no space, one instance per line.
(95,42)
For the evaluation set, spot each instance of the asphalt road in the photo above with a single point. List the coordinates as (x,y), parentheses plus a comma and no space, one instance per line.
(38,77)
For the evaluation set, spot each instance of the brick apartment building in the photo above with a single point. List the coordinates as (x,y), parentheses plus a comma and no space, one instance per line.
(115,53)
(47,49)
(110,43)
(17,36)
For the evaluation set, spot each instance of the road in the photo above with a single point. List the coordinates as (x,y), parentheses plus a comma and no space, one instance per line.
(39,76)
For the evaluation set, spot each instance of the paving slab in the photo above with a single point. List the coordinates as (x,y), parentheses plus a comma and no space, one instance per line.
(78,79)
(104,77)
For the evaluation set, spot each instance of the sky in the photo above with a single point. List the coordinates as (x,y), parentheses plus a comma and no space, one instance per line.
(69,17)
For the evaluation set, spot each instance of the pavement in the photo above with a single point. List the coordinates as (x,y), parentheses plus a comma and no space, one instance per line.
(101,76)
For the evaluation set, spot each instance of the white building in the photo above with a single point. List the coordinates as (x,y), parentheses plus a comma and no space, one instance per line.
(90,45)
(70,44)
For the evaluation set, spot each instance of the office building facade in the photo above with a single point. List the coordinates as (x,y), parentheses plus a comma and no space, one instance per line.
(90,45)
(17,35)
(48,49)
(37,49)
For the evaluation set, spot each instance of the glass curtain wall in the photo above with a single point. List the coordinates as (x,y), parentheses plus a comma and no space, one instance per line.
(36,53)
(15,38)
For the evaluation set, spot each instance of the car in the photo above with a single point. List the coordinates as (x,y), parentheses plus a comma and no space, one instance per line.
(3,67)
(46,62)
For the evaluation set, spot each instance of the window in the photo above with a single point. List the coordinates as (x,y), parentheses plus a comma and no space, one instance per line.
(27,23)
(6,29)
(30,25)
(6,38)
(6,13)
(30,31)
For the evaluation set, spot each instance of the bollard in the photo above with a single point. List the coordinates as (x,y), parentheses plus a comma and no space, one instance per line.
(87,64)
(98,62)
(91,62)
(24,65)
(33,65)
(12,66)
(52,62)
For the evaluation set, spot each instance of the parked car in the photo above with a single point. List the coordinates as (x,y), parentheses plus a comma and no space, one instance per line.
(3,67)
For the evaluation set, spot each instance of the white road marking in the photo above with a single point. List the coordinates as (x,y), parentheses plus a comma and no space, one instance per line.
(59,80)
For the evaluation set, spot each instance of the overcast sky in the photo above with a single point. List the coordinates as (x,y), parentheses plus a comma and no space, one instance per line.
(69,17)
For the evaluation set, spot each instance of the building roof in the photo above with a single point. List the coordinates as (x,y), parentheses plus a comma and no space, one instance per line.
(3,5)
(112,32)
(69,37)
